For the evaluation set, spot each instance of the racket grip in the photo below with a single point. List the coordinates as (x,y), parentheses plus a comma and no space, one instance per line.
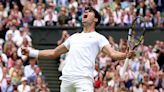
(124,68)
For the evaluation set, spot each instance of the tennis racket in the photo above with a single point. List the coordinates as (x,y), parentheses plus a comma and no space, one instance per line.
(135,37)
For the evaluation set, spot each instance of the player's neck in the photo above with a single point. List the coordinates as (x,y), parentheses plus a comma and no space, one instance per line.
(88,29)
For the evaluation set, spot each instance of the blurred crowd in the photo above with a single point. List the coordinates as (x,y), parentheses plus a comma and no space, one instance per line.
(144,72)
(18,73)
(69,12)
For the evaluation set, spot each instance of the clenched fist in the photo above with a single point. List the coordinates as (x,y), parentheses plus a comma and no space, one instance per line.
(30,52)
(25,51)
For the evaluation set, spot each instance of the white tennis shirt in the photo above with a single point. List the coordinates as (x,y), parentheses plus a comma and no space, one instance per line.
(83,49)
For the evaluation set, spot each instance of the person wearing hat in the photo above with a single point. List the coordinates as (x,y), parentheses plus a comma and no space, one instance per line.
(23,87)
(151,87)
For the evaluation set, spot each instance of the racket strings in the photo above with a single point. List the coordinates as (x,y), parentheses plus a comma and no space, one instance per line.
(137,33)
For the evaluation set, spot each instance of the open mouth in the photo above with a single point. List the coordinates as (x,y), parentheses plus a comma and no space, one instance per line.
(85,16)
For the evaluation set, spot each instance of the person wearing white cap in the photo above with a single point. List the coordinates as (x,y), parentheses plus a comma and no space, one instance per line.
(151,87)
(24,87)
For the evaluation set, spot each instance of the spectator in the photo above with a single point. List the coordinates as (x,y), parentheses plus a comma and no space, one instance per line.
(73,18)
(127,18)
(15,12)
(13,34)
(153,72)
(122,87)
(27,17)
(159,81)
(45,88)
(63,18)
(51,3)
(16,72)
(160,54)
(159,5)
(3,57)
(38,73)
(151,87)
(61,3)
(1,71)
(29,70)
(123,21)
(111,18)
(12,59)
(158,21)
(41,2)
(7,85)
(3,12)
(50,17)
(32,87)
(98,4)
(104,87)
(105,16)
(25,39)
(148,22)
(39,10)
(39,21)
(73,3)
(102,59)
(23,87)
(117,15)
(9,49)
(40,86)
(30,4)
(141,9)
(138,88)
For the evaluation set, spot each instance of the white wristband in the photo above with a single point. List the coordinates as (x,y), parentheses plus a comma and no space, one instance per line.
(33,53)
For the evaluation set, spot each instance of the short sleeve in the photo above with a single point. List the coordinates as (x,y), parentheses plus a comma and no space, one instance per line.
(67,43)
(102,42)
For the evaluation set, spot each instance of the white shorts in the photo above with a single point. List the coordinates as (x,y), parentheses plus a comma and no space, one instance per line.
(76,85)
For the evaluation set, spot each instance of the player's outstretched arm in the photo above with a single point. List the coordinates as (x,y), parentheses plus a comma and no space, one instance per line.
(45,54)
(116,55)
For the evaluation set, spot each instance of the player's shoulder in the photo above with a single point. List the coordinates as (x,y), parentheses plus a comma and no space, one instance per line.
(75,34)
(99,35)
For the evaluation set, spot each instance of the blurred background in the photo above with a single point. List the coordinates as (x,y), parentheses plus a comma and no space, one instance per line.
(43,24)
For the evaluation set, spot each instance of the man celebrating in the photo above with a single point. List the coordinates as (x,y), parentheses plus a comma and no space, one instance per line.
(82,48)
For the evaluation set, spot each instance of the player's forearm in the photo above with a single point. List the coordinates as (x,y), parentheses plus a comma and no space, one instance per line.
(113,53)
(48,54)
(43,54)
(118,55)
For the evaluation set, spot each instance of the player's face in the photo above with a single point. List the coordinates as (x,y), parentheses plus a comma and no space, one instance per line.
(88,17)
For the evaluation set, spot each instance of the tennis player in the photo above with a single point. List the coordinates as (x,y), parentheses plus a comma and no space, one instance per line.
(82,48)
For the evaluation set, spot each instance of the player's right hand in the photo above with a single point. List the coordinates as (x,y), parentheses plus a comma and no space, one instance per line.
(25,51)
(131,54)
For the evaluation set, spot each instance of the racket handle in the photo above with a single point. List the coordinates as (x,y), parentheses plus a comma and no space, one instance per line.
(124,68)
(129,34)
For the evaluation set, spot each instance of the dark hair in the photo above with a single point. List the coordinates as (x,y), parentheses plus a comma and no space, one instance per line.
(97,15)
